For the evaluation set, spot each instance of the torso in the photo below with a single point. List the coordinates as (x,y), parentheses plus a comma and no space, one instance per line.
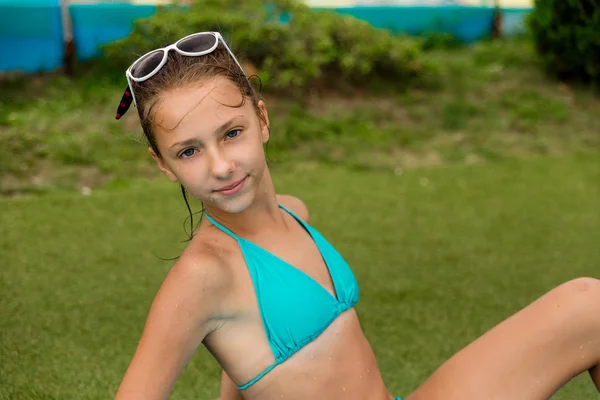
(339,363)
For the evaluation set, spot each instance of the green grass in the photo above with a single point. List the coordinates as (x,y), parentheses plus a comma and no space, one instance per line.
(493,103)
(441,255)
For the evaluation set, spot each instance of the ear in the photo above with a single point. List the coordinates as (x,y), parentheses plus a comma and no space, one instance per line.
(161,164)
(264,121)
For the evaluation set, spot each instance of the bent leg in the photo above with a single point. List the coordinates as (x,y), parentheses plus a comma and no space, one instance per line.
(530,355)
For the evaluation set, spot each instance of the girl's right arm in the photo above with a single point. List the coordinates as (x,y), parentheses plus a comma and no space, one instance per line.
(178,321)
(229,390)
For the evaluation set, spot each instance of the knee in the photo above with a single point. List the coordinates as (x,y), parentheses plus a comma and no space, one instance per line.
(580,296)
(582,286)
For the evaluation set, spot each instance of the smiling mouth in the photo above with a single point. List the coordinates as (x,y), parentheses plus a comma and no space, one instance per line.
(233,187)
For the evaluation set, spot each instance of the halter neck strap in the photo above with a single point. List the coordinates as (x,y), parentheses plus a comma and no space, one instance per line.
(221,227)
(236,237)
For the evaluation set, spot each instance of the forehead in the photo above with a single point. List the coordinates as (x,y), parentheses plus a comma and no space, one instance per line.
(205,104)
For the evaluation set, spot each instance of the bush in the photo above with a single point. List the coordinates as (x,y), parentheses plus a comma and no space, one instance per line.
(440,41)
(567,38)
(291,45)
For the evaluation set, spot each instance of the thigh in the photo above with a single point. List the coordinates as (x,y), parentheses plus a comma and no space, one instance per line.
(529,355)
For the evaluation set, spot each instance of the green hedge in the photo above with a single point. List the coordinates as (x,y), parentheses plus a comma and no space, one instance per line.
(291,45)
(567,38)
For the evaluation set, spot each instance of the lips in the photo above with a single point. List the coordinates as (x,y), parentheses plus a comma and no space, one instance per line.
(233,188)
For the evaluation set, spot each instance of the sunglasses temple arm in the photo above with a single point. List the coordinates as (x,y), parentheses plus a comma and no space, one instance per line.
(131,84)
(231,54)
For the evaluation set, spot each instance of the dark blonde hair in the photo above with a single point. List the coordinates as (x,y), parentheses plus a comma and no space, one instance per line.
(182,71)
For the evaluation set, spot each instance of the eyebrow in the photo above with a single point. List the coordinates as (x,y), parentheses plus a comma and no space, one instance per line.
(223,127)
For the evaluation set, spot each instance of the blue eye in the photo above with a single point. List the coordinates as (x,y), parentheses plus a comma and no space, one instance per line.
(187,153)
(233,134)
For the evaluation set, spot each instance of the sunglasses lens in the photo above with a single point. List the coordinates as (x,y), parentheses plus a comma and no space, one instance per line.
(197,43)
(147,64)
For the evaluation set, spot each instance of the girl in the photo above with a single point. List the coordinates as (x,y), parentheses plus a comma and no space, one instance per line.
(268,296)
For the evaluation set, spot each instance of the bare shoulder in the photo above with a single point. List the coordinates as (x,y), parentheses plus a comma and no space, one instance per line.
(203,264)
(183,313)
(295,205)
(199,277)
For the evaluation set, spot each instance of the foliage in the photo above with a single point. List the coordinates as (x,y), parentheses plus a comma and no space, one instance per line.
(441,41)
(567,39)
(494,104)
(291,45)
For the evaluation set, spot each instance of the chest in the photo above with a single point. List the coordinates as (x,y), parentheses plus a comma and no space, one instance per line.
(297,250)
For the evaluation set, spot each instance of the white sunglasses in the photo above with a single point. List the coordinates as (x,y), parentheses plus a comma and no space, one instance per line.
(148,65)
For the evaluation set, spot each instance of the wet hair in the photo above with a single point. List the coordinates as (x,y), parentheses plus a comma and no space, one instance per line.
(181,71)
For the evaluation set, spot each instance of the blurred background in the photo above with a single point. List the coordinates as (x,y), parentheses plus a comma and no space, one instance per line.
(448,149)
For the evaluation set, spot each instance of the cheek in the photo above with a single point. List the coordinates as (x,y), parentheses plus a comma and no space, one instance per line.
(198,189)
(246,154)
(256,151)
(192,174)
(255,160)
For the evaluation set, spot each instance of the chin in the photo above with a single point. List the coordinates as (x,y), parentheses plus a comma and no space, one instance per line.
(235,209)
(235,204)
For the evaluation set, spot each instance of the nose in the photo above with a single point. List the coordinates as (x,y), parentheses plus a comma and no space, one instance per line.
(221,167)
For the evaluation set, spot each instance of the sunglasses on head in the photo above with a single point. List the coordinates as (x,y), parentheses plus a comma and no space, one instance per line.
(148,65)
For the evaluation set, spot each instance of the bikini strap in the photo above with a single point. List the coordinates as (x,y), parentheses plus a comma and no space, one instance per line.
(293,215)
(236,237)
(221,227)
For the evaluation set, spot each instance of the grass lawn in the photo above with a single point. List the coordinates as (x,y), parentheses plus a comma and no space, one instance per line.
(441,255)
(493,103)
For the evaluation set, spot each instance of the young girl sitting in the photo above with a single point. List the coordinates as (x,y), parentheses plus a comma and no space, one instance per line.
(268,296)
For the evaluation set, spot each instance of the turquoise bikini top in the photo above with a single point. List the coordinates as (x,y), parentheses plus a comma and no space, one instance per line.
(295,309)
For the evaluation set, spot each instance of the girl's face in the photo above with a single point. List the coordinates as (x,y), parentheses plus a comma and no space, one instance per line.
(211,146)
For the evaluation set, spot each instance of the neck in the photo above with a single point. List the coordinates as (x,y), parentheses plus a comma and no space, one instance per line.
(263,213)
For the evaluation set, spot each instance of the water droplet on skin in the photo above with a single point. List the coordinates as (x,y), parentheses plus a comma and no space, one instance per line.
(361,377)
(330,358)
(312,357)
(314,378)
(581,347)
(337,331)
(368,370)
(343,389)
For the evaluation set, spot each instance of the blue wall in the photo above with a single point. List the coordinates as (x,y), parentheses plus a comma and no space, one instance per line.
(513,21)
(98,24)
(466,23)
(31,37)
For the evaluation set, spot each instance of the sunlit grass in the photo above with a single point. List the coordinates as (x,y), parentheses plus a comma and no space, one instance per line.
(441,255)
